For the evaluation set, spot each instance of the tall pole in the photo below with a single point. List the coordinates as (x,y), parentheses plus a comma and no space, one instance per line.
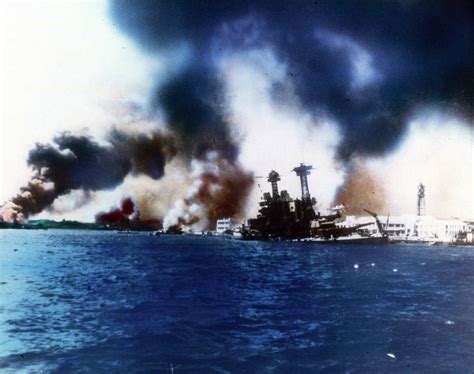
(421,200)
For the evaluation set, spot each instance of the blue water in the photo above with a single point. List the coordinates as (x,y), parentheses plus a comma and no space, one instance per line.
(93,302)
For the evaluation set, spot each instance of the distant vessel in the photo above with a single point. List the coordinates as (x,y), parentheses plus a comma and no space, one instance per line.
(282,218)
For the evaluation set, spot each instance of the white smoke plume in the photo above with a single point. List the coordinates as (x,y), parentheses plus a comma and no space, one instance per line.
(218,188)
(276,133)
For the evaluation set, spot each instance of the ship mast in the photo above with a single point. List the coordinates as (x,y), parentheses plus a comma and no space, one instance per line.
(274,178)
(303,171)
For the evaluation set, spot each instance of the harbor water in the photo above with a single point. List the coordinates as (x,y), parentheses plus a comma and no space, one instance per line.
(97,302)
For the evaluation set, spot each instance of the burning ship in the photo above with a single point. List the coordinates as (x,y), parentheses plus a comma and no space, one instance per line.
(281,217)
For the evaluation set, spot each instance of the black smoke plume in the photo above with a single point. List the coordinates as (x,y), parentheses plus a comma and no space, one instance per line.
(366,64)
(194,107)
(79,162)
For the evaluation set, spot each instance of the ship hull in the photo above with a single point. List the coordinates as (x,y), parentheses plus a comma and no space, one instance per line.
(352,239)
(349,240)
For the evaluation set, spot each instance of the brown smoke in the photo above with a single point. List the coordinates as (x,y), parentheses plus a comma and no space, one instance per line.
(31,199)
(361,190)
(228,200)
(219,189)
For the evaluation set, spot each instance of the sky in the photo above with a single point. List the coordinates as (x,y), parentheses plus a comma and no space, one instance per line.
(64,66)
(387,86)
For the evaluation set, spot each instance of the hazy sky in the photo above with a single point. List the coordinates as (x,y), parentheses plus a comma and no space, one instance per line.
(77,66)
(64,66)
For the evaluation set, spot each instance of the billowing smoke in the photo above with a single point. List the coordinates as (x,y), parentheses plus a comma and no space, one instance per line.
(361,190)
(218,189)
(327,73)
(194,107)
(79,162)
(367,65)
(324,64)
(119,216)
(127,216)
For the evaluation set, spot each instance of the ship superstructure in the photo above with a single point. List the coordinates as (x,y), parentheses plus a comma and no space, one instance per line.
(282,217)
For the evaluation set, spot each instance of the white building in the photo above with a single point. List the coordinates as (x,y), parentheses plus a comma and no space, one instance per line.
(225,224)
(412,227)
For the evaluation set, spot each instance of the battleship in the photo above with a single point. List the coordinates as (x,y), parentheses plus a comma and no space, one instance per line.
(281,217)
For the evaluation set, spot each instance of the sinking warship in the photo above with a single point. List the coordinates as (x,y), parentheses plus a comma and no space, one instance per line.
(281,217)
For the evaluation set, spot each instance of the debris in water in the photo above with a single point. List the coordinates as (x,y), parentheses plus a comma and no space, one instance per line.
(391,355)
(395,270)
(449,322)
(356,266)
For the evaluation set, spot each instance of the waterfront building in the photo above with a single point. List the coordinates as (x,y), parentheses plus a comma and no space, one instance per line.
(225,224)
(412,227)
